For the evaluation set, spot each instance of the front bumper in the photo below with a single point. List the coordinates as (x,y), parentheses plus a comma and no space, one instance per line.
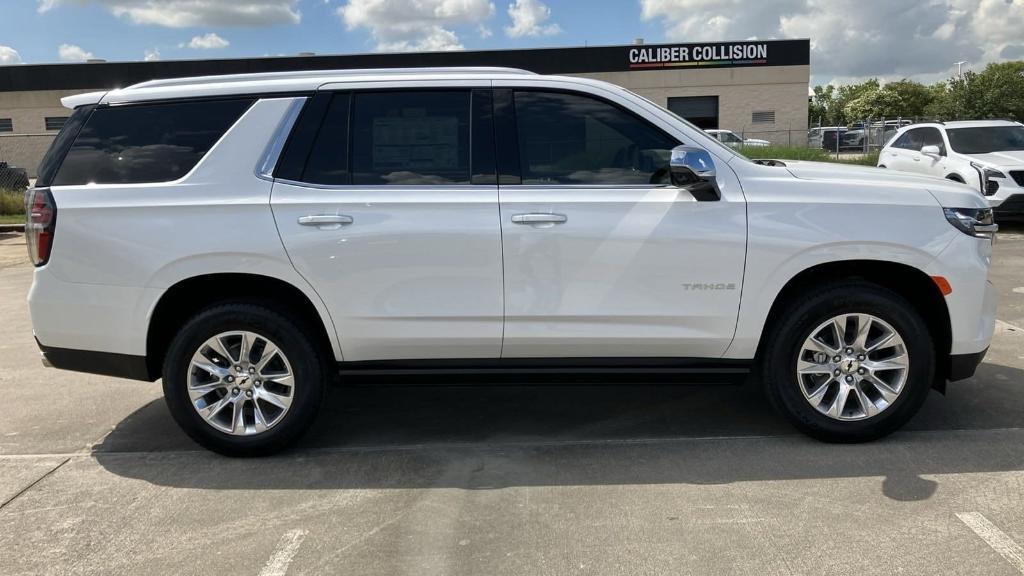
(1012,206)
(962,366)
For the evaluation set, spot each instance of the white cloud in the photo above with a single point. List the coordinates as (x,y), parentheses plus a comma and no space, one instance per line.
(528,19)
(206,42)
(854,39)
(484,31)
(414,25)
(183,13)
(72,53)
(8,56)
(152,54)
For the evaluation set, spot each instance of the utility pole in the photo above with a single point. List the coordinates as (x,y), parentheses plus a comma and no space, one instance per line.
(960,69)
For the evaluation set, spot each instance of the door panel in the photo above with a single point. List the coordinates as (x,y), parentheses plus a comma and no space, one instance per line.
(631,272)
(416,274)
(602,257)
(386,226)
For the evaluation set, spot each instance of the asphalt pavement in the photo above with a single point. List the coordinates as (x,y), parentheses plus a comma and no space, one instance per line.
(478,476)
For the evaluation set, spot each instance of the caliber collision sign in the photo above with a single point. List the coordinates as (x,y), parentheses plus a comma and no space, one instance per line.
(741,54)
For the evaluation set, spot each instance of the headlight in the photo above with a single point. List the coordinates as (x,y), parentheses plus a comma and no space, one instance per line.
(988,186)
(977,222)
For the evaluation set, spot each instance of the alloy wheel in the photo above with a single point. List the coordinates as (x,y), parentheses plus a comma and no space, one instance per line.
(852,367)
(240,383)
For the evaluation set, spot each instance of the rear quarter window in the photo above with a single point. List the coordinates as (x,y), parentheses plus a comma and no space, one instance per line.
(148,143)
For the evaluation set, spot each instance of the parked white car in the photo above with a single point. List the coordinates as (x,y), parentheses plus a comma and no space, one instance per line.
(249,238)
(988,155)
(730,139)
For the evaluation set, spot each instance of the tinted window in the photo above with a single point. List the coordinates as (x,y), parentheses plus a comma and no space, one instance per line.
(6,125)
(410,137)
(932,137)
(146,143)
(328,160)
(987,139)
(572,139)
(903,141)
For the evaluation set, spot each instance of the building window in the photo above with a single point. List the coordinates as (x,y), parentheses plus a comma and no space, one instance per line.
(6,125)
(763,117)
(55,123)
(702,111)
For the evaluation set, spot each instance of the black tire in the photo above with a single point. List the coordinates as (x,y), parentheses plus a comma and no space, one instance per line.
(795,324)
(309,365)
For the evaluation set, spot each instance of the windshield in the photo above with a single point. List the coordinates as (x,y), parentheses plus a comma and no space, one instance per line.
(986,139)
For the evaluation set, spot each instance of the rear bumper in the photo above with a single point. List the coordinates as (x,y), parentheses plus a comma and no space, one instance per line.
(104,363)
(962,366)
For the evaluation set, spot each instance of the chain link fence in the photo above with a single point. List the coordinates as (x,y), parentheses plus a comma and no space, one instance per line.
(19,157)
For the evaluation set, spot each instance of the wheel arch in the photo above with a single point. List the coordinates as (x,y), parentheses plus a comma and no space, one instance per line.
(910,282)
(185,298)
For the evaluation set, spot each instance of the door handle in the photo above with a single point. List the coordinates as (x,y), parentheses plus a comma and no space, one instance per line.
(539,218)
(917,158)
(325,221)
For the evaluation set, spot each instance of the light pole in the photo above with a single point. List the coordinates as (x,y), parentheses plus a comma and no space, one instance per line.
(959,68)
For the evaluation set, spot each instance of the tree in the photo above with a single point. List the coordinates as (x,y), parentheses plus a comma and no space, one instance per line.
(876,103)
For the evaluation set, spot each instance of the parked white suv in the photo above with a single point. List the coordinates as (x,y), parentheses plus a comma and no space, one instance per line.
(985,154)
(730,139)
(249,237)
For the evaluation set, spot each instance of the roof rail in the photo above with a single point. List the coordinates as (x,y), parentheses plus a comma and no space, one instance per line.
(294,74)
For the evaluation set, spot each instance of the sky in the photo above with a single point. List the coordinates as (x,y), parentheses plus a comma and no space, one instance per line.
(850,39)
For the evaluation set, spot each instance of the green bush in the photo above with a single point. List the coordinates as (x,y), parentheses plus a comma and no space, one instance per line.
(12,203)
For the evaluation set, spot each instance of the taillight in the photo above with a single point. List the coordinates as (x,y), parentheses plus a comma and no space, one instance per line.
(40,224)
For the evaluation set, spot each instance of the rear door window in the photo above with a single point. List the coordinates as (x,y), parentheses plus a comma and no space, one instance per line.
(139,143)
(411,137)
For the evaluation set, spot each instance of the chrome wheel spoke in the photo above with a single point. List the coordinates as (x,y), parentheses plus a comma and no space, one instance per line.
(218,347)
(839,328)
(279,400)
(835,410)
(898,362)
(858,386)
(887,392)
(818,346)
(881,342)
(864,323)
(269,353)
(238,417)
(210,411)
(805,367)
(230,391)
(866,405)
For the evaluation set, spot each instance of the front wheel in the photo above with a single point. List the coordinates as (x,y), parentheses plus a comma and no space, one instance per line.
(243,380)
(851,363)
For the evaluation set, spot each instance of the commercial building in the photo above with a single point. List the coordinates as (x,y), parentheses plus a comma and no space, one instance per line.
(756,88)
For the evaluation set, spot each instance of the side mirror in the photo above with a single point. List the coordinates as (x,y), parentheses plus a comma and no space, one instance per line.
(931,151)
(693,169)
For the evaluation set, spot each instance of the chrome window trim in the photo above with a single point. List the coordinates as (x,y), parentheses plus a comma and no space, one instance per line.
(272,153)
(362,187)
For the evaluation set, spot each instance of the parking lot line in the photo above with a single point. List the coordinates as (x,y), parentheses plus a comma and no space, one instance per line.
(995,538)
(282,557)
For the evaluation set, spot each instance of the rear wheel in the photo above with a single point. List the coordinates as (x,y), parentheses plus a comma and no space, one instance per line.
(850,363)
(243,380)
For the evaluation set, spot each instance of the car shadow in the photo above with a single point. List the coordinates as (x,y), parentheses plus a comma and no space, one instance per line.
(418,433)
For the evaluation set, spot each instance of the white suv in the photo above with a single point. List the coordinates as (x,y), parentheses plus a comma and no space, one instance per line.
(248,238)
(985,154)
